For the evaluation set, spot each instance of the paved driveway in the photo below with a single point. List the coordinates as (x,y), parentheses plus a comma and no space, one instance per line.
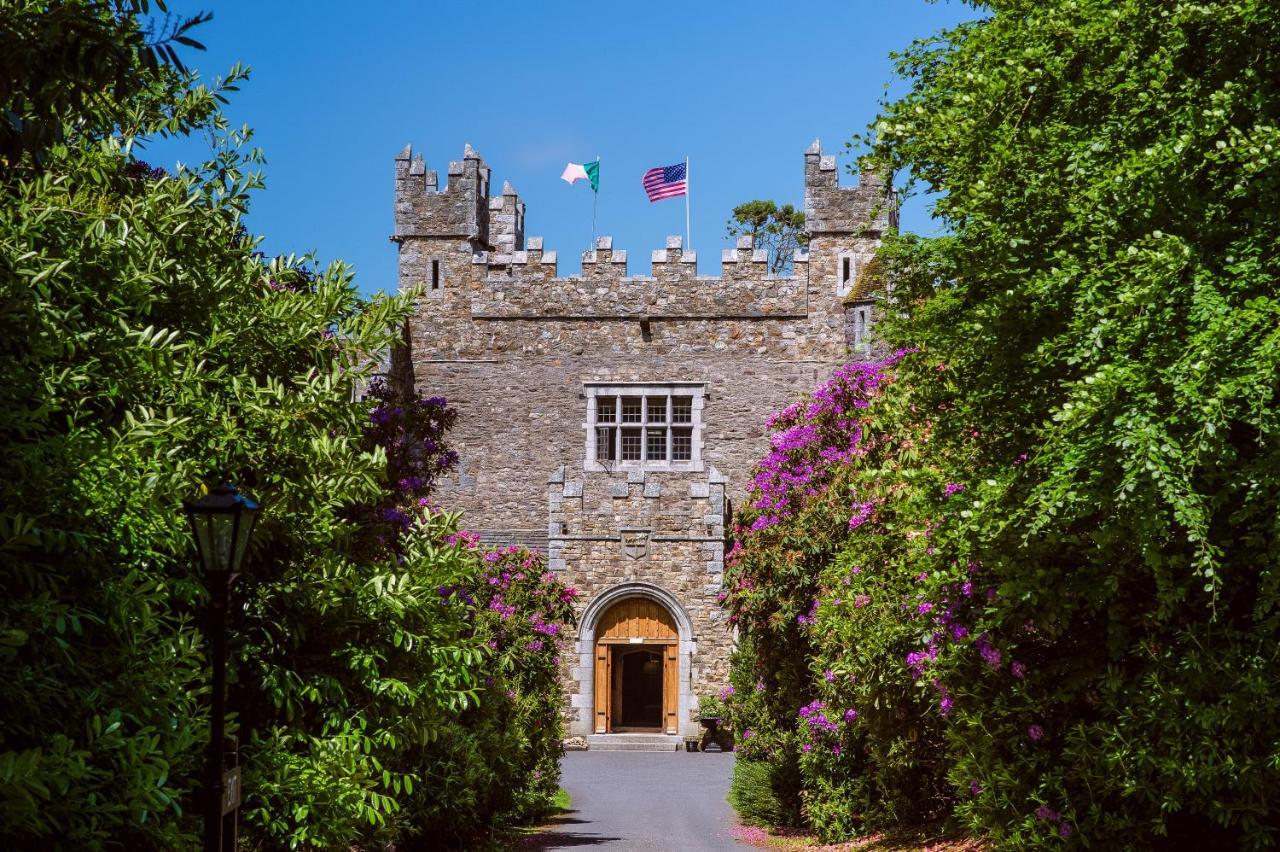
(667,802)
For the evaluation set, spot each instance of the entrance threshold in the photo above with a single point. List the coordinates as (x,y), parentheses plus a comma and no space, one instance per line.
(633,742)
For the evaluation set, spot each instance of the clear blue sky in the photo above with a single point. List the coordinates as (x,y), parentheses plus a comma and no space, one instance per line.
(741,88)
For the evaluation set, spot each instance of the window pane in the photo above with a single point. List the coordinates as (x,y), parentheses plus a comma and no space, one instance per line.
(655,409)
(681,444)
(630,443)
(631,409)
(606,450)
(606,409)
(657,445)
(681,409)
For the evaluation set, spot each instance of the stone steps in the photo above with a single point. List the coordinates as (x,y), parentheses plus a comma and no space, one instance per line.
(633,742)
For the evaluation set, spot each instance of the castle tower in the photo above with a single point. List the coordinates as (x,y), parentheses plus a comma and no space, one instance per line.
(611,419)
(845,225)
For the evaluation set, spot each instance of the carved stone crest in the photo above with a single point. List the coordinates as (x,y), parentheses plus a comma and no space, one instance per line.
(635,543)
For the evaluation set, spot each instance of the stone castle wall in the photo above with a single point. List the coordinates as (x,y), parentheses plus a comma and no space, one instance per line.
(514,346)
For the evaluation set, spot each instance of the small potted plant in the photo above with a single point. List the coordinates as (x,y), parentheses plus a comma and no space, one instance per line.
(712,714)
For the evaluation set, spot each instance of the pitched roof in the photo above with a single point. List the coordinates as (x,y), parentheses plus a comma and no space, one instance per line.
(871,281)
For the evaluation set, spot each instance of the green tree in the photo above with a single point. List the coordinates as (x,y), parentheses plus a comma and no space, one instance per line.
(88,62)
(143,344)
(1099,353)
(779,230)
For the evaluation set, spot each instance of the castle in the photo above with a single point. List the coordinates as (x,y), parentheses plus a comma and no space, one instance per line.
(611,420)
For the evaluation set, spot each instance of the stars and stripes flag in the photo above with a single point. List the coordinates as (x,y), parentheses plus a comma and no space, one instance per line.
(667,181)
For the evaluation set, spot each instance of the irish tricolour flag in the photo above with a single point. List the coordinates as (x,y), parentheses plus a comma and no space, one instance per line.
(588,172)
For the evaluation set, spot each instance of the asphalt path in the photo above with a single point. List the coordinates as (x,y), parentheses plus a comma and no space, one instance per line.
(657,802)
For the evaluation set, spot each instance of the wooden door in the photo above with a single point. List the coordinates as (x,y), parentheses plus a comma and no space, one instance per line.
(604,681)
(616,667)
(671,688)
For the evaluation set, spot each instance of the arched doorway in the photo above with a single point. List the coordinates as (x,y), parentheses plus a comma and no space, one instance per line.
(637,661)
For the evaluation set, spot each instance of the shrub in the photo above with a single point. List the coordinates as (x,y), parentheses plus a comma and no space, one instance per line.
(752,793)
(1063,612)
(147,344)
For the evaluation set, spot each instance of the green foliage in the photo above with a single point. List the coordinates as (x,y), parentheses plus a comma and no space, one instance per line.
(711,707)
(87,60)
(752,794)
(1105,309)
(497,762)
(1065,618)
(145,345)
(779,230)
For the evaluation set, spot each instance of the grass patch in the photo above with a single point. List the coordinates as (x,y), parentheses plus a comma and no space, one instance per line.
(531,836)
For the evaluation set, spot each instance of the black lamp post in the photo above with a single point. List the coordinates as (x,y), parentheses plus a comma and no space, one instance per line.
(222,522)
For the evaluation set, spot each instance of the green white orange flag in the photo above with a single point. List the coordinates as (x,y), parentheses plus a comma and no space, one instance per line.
(588,172)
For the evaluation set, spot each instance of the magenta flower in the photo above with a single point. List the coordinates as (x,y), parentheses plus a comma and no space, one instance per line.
(952,488)
(1018,670)
(975,789)
(1046,813)
(1035,732)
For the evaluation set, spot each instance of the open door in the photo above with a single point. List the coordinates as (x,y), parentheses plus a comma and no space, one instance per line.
(604,681)
(671,688)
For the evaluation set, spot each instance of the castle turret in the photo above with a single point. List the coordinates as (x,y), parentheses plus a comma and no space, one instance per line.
(845,224)
(458,210)
(439,229)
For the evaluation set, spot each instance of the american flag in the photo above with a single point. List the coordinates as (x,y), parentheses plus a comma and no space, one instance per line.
(666,182)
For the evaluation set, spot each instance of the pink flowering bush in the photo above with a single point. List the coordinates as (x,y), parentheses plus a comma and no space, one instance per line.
(845,749)
(497,762)
(1045,578)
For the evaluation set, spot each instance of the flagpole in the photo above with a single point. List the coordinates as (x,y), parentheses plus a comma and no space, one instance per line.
(688,234)
(595,198)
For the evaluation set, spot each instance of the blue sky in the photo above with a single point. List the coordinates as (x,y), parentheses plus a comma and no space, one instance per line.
(740,88)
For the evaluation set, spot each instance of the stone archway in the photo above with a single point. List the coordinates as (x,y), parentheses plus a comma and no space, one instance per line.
(633,620)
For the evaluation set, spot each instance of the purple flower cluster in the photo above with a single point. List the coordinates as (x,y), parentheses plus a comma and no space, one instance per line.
(498,605)
(810,616)
(811,438)
(1044,813)
(813,714)
(544,627)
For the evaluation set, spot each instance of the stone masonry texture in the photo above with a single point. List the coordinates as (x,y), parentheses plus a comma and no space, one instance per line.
(514,347)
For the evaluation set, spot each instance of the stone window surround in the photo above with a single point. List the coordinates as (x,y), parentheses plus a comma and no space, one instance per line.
(843,286)
(861,328)
(591,390)
(434,277)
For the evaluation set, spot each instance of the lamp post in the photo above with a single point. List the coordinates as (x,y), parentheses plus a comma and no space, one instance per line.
(222,522)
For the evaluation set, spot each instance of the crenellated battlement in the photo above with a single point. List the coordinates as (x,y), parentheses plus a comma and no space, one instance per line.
(830,208)
(459,209)
(496,224)
(467,250)
(519,285)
